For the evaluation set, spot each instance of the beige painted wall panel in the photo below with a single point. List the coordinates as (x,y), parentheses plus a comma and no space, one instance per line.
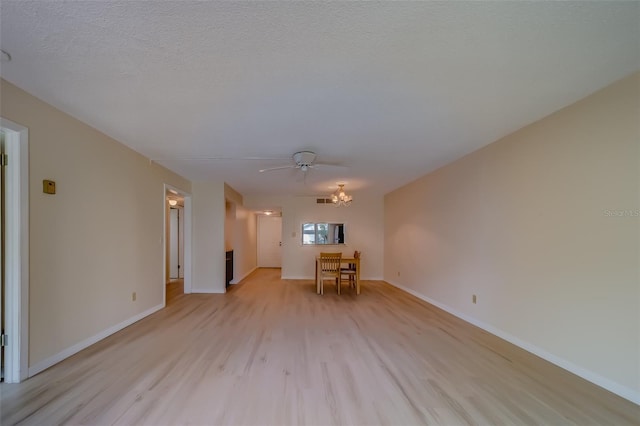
(98,239)
(208,260)
(240,234)
(229,225)
(524,224)
(245,243)
(232,195)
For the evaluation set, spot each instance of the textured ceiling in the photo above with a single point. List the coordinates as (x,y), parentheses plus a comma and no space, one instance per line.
(392,90)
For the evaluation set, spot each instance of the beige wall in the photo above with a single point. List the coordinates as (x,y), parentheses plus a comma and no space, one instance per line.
(363,227)
(229,225)
(526,225)
(98,239)
(232,199)
(208,259)
(245,243)
(232,195)
(240,234)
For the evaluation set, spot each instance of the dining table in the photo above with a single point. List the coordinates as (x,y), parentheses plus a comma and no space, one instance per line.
(345,260)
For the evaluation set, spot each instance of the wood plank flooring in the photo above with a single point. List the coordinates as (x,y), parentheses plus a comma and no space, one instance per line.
(273,352)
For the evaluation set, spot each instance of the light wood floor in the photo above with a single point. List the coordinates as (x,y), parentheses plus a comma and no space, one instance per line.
(273,352)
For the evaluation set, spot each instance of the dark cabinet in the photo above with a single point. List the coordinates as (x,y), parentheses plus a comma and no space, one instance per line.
(229,262)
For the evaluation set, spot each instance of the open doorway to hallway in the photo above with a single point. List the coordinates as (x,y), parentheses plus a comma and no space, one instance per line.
(176,240)
(177,243)
(175,285)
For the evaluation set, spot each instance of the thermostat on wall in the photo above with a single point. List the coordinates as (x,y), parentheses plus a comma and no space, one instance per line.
(48,187)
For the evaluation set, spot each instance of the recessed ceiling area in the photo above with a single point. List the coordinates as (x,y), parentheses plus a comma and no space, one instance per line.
(391,90)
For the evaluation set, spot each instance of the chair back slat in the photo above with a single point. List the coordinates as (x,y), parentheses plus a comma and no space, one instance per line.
(330,262)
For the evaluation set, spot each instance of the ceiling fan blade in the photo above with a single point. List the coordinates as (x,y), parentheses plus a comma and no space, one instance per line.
(218,158)
(328,166)
(292,166)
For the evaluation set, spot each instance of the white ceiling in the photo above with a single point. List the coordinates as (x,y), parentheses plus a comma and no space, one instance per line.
(392,90)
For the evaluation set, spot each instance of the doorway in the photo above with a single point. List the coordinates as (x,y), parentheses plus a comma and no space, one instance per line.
(269,241)
(177,243)
(15,251)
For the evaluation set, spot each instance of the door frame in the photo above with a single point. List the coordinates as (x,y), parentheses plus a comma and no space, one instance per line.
(186,238)
(16,252)
(177,233)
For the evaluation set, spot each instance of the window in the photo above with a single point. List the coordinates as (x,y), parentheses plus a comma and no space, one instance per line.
(323,233)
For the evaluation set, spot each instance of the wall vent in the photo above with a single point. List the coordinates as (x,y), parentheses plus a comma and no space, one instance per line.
(324,201)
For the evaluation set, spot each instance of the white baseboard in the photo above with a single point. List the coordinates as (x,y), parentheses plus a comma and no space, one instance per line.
(52,360)
(207,291)
(244,276)
(620,390)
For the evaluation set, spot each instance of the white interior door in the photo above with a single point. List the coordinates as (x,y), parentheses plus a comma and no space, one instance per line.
(269,242)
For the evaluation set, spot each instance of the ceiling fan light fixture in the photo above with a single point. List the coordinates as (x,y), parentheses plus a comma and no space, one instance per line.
(303,160)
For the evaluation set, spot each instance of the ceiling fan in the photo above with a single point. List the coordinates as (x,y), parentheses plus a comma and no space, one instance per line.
(303,160)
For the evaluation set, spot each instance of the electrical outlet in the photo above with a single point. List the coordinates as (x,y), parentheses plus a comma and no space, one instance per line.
(133,296)
(474,298)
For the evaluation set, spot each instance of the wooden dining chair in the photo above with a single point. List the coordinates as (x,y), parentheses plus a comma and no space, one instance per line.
(350,272)
(329,269)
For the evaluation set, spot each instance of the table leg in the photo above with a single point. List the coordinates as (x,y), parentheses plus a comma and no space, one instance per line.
(358,276)
(317,281)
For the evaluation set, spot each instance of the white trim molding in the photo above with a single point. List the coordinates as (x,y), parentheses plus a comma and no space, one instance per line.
(60,356)
(620,390)
(207,291)
(16,251)
(188,241)
(295,277)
